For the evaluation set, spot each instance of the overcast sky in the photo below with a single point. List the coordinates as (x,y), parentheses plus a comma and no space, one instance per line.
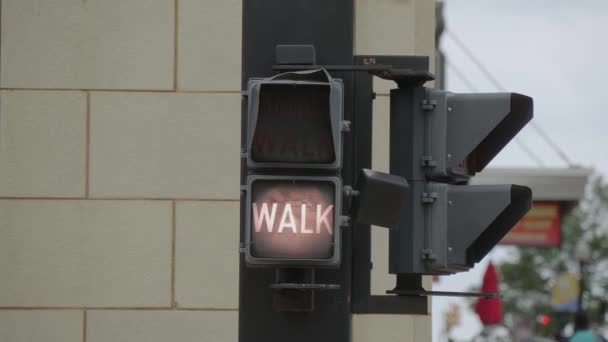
(555,51)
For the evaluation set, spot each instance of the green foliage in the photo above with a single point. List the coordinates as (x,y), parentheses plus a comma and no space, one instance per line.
(527,281)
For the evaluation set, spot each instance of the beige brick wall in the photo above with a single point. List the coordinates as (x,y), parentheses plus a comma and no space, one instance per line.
(200,50)
(165,145)
(119,164)
(161,326)
(85,253)
(88,44)
(205,235)
(42,143)
(391,328)
(394,27)
(41,325)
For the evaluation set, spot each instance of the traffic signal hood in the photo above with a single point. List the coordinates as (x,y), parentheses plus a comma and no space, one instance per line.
(448,228)
(450,137)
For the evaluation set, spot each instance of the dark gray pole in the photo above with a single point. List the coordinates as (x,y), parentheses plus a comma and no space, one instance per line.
(328,26)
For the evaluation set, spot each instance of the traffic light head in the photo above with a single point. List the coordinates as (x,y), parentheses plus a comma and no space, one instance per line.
(438,141)
(479,216)
(448,228)
(294,155)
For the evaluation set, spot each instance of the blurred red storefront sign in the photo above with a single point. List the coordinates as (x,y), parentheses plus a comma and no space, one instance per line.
(541,227)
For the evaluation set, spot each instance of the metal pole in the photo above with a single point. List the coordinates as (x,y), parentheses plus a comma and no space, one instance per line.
(328,26)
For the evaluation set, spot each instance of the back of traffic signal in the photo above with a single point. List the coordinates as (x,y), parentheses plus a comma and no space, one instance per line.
(438,141)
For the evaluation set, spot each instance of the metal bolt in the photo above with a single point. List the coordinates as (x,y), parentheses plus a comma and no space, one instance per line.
(450,249)
(346,126)
(450,202)
(449,156)
(449,109)
(346,221)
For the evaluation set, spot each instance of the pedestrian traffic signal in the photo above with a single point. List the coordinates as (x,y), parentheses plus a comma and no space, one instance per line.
(294,156)
(438,141)
(295,121)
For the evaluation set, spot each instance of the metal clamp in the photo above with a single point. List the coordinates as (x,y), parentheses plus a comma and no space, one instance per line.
(345,221)
(300,286)
(444,293)
(346,126)
(428,161)
(428,105)
(428,197)
(428,255)
(348,191)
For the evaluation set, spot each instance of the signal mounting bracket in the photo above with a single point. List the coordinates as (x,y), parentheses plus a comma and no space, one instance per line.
(428,197)
(428,255)
(346,126)
(428,105)
(406,287)
(428,161)
(444,294)
(304,57)
(294,289)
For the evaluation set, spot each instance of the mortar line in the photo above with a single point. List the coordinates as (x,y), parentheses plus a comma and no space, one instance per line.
(175,41)
(208,309)
(118,199)
(118,90)
(173,238)
(87,152)
(93,308)
(84,325)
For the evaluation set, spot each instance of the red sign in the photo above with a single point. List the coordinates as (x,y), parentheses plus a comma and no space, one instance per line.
(541,227)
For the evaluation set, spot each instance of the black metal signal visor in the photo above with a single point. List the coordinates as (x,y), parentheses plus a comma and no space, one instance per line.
(469,130)
(293,221)
(295,121)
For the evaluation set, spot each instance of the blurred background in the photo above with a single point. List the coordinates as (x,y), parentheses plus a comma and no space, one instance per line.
(555,52)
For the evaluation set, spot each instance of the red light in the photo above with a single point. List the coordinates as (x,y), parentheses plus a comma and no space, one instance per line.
(544,320)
